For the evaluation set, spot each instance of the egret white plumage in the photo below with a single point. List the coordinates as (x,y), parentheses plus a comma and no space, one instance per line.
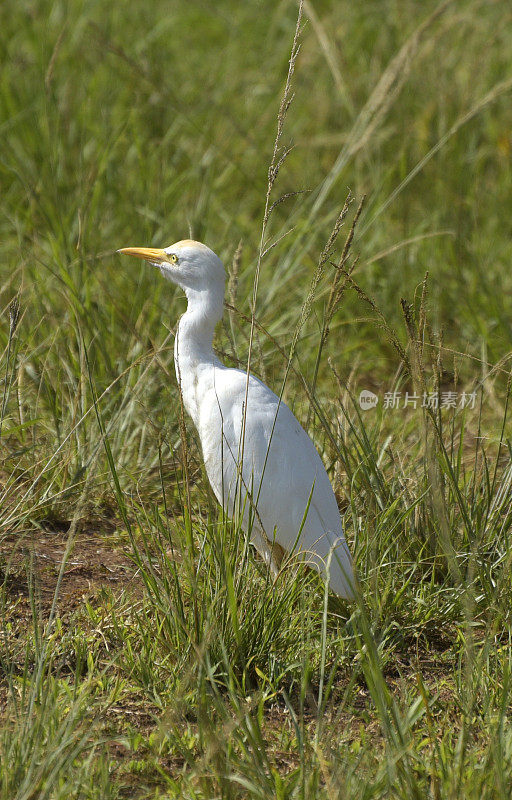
(258,458)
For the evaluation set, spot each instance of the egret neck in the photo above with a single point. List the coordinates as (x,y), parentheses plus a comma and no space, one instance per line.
(193,352)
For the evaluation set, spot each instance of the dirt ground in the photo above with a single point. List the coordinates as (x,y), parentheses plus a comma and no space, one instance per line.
(96,560)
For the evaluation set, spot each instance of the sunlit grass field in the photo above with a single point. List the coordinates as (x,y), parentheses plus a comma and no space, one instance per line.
(145,651)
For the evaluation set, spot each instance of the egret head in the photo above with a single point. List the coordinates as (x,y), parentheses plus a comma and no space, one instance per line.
(192,265)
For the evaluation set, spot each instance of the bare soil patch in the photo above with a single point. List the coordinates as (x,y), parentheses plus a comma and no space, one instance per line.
(97,560)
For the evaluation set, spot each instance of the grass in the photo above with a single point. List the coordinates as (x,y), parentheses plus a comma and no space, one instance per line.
(144,651)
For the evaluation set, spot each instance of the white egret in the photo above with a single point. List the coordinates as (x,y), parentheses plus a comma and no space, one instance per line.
(256,453)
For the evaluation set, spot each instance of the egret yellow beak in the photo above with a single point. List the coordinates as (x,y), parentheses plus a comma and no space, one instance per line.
(147,253)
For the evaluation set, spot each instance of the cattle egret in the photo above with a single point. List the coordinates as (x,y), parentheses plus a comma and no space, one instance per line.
(260,462)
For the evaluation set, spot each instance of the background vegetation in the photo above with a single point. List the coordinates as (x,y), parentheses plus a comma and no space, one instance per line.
(144,652)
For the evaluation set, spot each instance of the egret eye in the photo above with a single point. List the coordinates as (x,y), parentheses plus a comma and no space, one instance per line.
(173,258)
